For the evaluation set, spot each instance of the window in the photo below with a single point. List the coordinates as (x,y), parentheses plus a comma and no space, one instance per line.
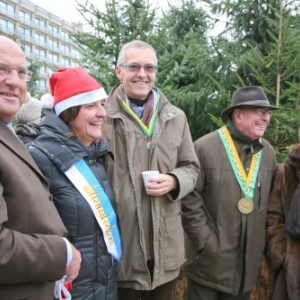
(66,49)
(6,8)
(65,35)
(24,32)
(39,23)
(24,16)
(53,43)
(76,53)
(53,58)
(6,25)
(40,85)
(49,71)
(40,54)
(40,39)
(42,69)
(27,49)
(53,29)
(65,62)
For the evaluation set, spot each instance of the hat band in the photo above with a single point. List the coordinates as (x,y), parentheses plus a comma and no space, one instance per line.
(80,99)
(254,103)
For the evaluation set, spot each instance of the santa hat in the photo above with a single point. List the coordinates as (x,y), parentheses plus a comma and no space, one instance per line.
(30,110)
(72,87)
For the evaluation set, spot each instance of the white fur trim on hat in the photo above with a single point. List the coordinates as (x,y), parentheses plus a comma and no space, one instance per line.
(80,99)
(47,101)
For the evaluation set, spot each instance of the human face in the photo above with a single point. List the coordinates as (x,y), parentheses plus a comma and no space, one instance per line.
(87,126)
(12,88)
(252,121)
(137,85)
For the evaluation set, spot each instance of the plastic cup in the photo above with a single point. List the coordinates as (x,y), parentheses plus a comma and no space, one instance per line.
(149,174)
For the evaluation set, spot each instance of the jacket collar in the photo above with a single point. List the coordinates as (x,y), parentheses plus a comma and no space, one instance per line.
(114,108)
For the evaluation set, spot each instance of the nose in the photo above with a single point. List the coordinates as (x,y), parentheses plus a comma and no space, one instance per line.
(100,110)
(141,72)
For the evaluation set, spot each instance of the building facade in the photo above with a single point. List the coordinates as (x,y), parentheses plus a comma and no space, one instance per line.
(43,36)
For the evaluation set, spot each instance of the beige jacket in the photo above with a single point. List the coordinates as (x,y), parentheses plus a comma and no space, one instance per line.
(170,150)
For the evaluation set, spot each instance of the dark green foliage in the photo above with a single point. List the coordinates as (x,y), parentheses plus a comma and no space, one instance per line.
(121,22)
(206,50)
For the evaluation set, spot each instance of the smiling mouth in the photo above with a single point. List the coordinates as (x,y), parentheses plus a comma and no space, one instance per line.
(8,95)
(140,82)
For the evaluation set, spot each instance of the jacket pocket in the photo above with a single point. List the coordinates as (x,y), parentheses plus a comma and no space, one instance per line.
(172,241)
(205,249)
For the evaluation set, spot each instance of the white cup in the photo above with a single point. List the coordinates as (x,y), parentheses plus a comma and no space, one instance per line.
(149,174)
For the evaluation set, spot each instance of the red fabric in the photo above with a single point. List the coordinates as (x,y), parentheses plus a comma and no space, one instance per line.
(68,82)
(68,286)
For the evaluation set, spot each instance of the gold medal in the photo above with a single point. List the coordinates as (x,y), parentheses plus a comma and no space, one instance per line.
(245,206)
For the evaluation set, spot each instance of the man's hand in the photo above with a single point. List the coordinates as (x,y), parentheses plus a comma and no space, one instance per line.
(72,269)
(161,184)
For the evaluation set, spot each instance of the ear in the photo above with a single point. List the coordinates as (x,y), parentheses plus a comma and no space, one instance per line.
(236,115)
(119,72)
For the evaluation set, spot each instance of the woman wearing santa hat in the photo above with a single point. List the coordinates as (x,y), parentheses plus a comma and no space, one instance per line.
(72,156)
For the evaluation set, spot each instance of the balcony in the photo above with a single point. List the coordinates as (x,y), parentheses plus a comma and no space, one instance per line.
(9,13)
(7,29)
(41,43)
(26,21)
(29,55)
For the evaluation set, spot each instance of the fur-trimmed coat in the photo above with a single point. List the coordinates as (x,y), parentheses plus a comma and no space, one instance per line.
(283,250)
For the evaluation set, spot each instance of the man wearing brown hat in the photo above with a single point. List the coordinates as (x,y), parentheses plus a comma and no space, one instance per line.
(224,217)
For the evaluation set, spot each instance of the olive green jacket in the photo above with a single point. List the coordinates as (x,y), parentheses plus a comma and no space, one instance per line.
(169,150)
(232,243)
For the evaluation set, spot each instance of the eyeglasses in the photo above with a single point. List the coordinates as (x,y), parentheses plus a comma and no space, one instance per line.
(135,68)
(23,74)
(259,111)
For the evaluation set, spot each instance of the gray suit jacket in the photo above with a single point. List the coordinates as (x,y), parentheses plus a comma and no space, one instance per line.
(32,253)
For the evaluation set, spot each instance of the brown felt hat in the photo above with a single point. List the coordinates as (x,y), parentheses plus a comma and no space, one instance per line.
(248,96)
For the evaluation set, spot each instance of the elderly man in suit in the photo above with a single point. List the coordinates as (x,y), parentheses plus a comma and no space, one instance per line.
(33,254)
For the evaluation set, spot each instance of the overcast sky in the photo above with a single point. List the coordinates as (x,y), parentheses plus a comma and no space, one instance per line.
(66,9)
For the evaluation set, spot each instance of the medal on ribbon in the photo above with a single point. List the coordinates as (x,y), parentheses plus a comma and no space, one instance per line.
(246,182)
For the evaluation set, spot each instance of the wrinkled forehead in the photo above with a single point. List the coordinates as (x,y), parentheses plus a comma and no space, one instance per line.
(13,59)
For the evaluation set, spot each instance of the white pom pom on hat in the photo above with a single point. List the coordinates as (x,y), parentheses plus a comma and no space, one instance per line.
(72,87)
(47,101)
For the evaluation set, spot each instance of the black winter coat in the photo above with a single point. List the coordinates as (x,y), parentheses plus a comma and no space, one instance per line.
(55,153)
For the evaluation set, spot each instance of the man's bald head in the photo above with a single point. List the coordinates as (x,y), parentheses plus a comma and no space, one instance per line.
(7,43)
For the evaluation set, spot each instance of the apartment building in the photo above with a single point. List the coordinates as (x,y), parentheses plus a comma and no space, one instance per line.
(44,36)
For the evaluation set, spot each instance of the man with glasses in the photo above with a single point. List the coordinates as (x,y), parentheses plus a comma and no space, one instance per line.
(33,253)
(146,132)
(225,216)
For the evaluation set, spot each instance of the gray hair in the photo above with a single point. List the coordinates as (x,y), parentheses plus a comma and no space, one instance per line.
(133,44)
